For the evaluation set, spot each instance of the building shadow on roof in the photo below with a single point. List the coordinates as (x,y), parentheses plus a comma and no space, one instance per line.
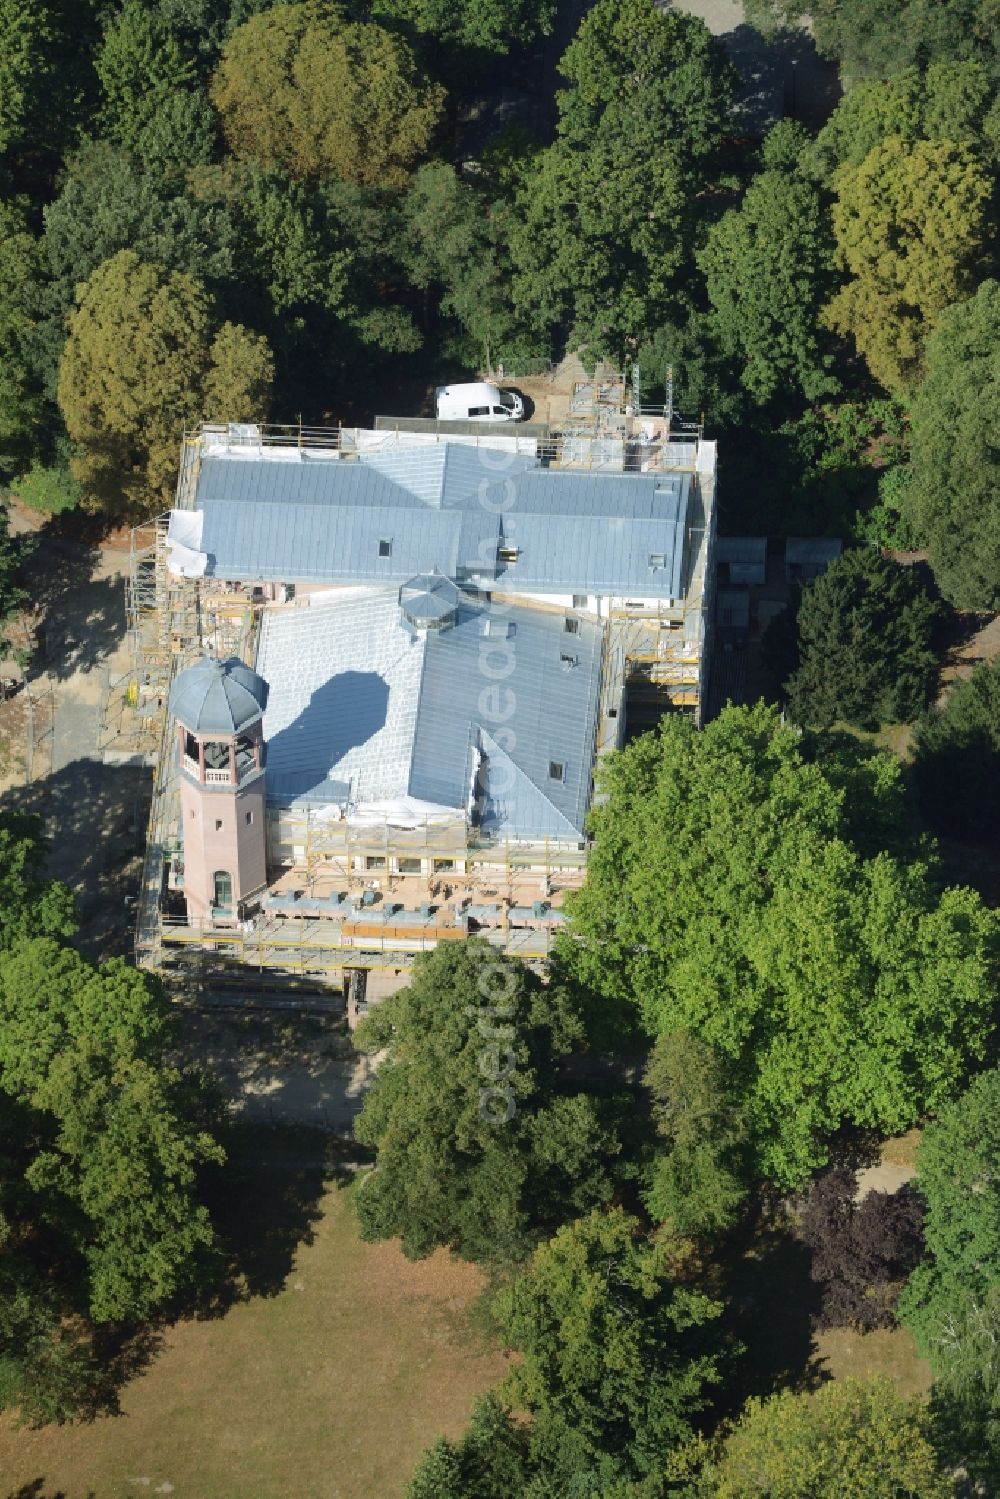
(342,714)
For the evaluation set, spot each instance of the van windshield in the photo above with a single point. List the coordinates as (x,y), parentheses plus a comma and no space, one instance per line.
(507,399)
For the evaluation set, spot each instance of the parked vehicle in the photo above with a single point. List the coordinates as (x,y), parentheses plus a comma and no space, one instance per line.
(479,401)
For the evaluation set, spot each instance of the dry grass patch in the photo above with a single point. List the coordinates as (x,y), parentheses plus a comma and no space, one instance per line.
(328,1389)
(891,1352)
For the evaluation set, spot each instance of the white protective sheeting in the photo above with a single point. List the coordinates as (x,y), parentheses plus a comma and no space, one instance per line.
(185,529)
(185,563)
(186,559)
(402,812)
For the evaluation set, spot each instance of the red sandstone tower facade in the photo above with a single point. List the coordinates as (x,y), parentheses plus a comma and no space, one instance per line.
(218,707)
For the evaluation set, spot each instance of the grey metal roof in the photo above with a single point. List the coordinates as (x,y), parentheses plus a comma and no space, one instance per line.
(741,549)
(385,516)
(812,549)
(544,713)
(217,697)
(363,710)
(325,543)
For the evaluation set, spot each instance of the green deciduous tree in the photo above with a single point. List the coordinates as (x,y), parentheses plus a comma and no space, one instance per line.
(602,223)
(21,402)
(107,204)
(864,653)
(491,1459)
(474,24)
(880,38)
(11,593)
(238,376)
(945,102)
(128,1158)
(481,1140)
(615,1359)
(698,1179)
(31,904)
(47,489)
(724,898)
(958,1171)
(43,63)
(154,104)
(104,1148)
(597,239)
(848,1437)
(141,361)
(768,267)
(452,245)
(910,227)
(52,1000)
(953,496)
(957,757)
(343,99)
(289,245)
(965,1400)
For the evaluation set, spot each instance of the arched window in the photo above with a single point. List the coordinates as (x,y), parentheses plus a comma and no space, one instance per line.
(223,887)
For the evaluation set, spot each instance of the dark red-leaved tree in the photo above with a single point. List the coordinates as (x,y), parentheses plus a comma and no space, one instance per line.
(862,1251)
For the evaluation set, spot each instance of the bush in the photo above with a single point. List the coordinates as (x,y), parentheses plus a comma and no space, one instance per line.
(50,491)
(888,523)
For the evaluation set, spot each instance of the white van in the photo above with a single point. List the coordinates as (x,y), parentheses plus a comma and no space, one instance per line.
(478,402)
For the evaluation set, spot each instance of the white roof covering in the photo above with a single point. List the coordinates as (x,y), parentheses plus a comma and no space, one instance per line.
(352,727)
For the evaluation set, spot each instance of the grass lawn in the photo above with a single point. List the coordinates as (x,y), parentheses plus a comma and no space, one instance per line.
(327,1384)
(844,1354)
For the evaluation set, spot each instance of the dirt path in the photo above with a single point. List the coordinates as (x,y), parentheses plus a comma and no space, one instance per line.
(95,814)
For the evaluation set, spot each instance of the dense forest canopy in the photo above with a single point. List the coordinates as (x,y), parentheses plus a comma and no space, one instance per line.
(808,293)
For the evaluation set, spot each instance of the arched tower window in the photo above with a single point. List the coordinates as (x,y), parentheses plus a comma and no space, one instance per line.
(223,887)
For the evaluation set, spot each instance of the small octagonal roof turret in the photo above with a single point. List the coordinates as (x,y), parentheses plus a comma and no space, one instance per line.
(218,697)
(429,601)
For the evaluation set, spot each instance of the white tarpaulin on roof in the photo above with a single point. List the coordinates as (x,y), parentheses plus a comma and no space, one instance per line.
(186,559)
(404,812)
(185,563)
(185,529)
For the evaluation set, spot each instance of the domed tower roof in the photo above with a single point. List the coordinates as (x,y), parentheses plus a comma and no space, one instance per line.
(218,697)
(429,601)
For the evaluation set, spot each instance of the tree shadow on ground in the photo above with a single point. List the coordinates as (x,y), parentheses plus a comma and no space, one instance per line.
(37,1489)
(81,618)
(771,1309)
(81,628)
(955,632)
(265,1203)
(95,817)
(782,76)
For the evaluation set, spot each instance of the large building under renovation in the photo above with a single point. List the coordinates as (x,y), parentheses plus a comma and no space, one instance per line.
(390,663)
